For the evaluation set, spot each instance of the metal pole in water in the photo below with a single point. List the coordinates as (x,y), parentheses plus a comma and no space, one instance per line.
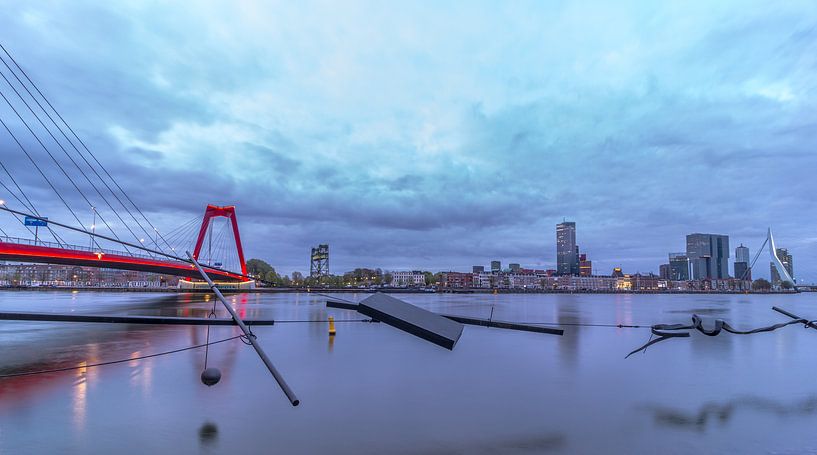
(794,316)
(278,378)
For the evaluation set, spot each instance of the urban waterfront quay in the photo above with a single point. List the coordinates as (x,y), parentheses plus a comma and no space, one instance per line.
(298,290)
(515,392)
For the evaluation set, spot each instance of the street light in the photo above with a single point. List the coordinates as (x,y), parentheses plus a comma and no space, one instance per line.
(93,227)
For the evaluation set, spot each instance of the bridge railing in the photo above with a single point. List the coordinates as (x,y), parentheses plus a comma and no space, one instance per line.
(23,241)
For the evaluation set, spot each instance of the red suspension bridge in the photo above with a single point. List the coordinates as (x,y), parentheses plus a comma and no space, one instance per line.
(39,251)
(41,150)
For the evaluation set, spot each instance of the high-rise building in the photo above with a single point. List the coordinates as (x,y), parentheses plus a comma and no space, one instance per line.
(663,271)
(478,269)
(496,266)
(567,257)
(514,267)
(708,255)
(575,270)
(742,271)
(742,254)
(788,264)
(678,267)
(585,266)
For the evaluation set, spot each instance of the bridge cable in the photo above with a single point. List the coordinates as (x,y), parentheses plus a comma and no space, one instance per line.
(29,206)
(178,239)
(75,148)
(53,158)
(85,147)
(17,217)
(181,231)
(69,158)
(40,171)
(752,264)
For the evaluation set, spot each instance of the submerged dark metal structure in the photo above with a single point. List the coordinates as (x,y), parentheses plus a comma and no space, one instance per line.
(441,329)
(664,332)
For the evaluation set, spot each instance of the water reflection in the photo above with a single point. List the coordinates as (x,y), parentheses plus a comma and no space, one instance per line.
(208,434)
(722,413)
(497,392)
(567,313)
(80,397)
(536,443)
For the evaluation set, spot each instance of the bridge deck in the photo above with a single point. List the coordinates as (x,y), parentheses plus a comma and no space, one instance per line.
(71,255)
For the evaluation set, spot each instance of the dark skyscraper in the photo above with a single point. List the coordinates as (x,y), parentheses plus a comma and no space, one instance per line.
(567,257)
(678,267)
(496,266)
(708,255)
(742,263)
(663,271)
(788,264)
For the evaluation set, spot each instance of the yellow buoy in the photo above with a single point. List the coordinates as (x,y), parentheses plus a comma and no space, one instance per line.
(331,326)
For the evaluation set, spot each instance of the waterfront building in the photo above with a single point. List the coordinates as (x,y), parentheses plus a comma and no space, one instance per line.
(663,271)
(617,273)
(514,267)
(788,264)
(585,265)
(708,255)
(456,280)
(405,278)
(524,281)
(567,258)
(478,269)
(482,279)
(742,271)
(581,283)
(55,275)
(742,263)
(678,267)
(496,266)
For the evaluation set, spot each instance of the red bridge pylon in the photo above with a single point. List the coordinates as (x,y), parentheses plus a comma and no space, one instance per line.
(228,211)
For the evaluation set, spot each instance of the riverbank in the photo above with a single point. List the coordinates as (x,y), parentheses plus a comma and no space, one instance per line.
(370,290)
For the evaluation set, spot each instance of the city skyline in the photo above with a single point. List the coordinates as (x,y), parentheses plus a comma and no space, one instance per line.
(444,147)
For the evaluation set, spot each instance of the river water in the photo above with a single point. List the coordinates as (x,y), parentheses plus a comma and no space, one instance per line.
(374,389)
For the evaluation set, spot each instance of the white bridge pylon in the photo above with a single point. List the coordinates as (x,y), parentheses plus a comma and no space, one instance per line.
(776,262)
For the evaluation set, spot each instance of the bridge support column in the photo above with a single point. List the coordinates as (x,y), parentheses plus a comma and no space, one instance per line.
(214,211)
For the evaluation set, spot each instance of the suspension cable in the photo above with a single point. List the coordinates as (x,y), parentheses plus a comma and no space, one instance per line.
(66,152)
(40,171)
(53,158)
(93,156)
(58,239)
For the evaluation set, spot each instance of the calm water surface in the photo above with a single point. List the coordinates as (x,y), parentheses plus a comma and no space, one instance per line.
(374,389)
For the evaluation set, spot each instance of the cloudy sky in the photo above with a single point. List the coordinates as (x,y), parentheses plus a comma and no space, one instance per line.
(441,135)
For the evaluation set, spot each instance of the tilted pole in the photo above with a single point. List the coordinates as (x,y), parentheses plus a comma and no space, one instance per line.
(278,378)
(808,323)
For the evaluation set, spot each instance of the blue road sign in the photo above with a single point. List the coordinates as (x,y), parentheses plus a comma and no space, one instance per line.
(35,222)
